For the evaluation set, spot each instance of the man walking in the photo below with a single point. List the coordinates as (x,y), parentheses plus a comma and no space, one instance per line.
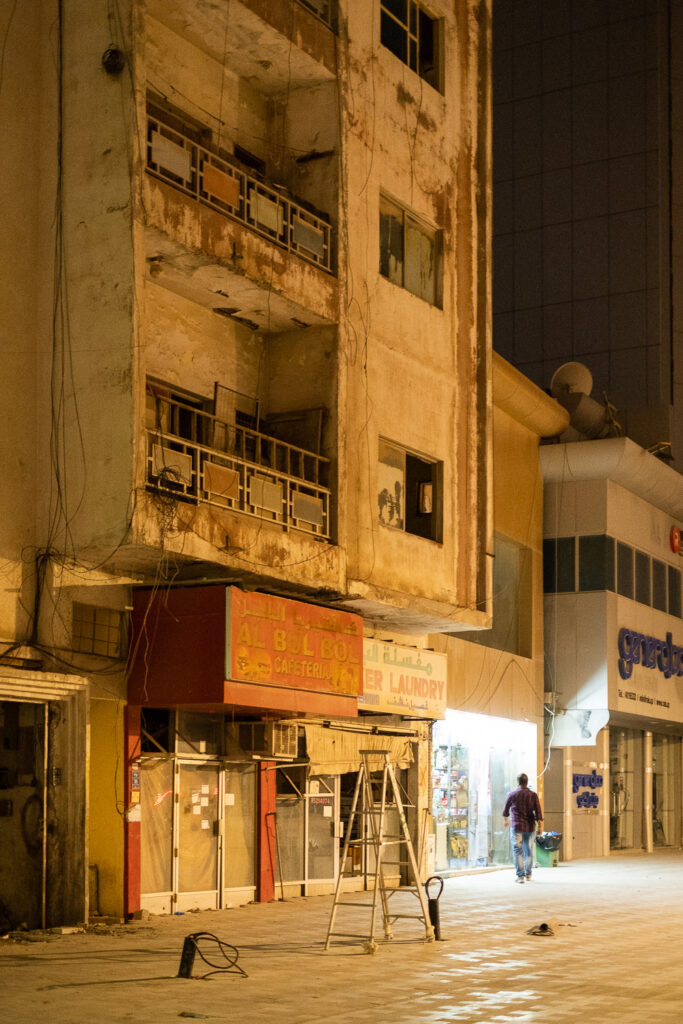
(524,807)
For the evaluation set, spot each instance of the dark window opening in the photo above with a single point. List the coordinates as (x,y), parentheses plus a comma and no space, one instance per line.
(559,571)
(624,570)
(409,252)
(596,563)
(250,160)
(156,734)
(643,586)
(674,591)
(658,585)
(409,492)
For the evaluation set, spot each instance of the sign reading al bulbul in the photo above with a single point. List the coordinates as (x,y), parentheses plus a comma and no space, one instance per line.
(277,642)
(403,681)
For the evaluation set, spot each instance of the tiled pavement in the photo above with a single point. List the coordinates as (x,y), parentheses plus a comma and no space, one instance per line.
(615,957)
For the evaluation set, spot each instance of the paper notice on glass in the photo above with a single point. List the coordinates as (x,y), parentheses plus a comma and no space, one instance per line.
(205,801)
(229,799)
(205,823)
(205,790)
(314,787)
(327,812)
(196,809)
(195,796)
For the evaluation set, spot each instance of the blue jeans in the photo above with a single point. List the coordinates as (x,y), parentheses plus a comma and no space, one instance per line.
(523,858)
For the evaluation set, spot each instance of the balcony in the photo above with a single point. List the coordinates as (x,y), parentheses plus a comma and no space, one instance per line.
(193,456)
(222,186)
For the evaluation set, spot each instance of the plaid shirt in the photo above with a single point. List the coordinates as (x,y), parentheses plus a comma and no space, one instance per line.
(524,809)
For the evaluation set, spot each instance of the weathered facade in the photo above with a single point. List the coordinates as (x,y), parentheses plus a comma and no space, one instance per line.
(247,275)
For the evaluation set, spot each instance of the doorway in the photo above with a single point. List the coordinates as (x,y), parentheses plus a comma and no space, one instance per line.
(307,832)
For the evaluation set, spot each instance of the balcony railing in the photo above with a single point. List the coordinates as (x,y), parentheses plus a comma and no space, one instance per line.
(266,209)
(193,456)
(323,9)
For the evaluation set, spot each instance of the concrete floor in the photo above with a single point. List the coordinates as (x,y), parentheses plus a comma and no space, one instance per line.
(614,957)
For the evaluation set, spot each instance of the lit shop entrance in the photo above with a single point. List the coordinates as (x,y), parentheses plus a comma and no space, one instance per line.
(307,830)
(477,759)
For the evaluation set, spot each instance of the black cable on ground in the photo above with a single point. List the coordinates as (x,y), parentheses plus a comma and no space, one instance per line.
(229,953)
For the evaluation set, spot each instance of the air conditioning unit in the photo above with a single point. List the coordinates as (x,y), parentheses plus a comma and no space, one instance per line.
(270,739)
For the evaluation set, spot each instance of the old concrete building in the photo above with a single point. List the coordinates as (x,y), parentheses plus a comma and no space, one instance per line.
(246,328)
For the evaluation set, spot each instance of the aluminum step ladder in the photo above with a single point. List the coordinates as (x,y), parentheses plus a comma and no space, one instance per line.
(373,837)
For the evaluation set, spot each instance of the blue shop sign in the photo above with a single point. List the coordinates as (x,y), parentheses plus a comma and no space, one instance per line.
(592,781)
(638,649)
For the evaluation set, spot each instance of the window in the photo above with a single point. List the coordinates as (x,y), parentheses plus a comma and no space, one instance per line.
(414,37)
(674,591)
(658,585)
(511,628)
(98,630)
(643,588)
(409,492)
(559,572)
(409,252)
(624,570)
(596,563)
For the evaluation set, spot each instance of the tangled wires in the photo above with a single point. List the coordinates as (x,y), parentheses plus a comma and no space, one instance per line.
(229,953)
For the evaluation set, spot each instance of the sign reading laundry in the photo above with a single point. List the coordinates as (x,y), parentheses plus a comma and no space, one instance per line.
(287,643)
(403,680)
(638,649)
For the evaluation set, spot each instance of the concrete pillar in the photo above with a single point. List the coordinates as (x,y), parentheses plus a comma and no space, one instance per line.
(568,823)
(647,791)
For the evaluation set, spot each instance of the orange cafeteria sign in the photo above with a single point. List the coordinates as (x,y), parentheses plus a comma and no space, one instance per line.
(286,643)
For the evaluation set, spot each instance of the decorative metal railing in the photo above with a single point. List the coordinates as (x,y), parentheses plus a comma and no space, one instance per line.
(196,457)
(266,209)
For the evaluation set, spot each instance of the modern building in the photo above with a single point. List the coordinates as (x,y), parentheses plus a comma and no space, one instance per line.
(613,635)
(246,303)
(494,724)
(587,207)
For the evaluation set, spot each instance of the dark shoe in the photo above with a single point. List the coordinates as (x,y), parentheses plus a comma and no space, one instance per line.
(528,878)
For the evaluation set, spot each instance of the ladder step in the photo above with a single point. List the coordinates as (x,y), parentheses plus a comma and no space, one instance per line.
(350,904)
(349,935)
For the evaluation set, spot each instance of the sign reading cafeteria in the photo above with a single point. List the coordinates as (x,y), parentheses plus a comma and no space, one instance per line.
(286,643)
(403,681)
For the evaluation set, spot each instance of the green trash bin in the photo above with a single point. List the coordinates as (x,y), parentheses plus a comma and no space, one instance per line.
(548,849)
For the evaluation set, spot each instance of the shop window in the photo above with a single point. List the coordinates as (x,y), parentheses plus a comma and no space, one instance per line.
(559,569)
(624,570)
(409,252)
(596,563)
(674,591)
(198,734)
(511,629)
(643,584)
(414,37)
(658,585)
(409,492)
(98,630)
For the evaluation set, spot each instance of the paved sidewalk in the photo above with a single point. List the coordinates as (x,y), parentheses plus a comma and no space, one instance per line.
(615,957)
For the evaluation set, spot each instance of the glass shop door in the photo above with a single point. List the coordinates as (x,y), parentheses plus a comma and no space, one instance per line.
(199,835)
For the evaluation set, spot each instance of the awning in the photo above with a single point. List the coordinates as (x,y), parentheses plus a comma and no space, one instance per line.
(333,751)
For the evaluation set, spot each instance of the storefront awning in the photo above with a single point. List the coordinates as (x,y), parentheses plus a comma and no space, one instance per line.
(333,751)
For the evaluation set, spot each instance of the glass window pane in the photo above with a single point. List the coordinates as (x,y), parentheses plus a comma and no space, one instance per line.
(658,585)
(321,837)
(391,243)
(391,485)
(596,563)
(419,275)
(413,54)
(643,591)
(197,828)
(394,37)
(289,848)
(399,8)
(240,826)
(156,841)
(674,591)
(624,570)
(559,574)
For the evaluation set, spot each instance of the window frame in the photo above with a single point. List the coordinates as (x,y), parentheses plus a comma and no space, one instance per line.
(434,527)
(415,12)
(388,206)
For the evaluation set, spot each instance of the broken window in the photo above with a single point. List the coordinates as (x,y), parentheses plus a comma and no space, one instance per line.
(414,37)
(408,491)
(409,252)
